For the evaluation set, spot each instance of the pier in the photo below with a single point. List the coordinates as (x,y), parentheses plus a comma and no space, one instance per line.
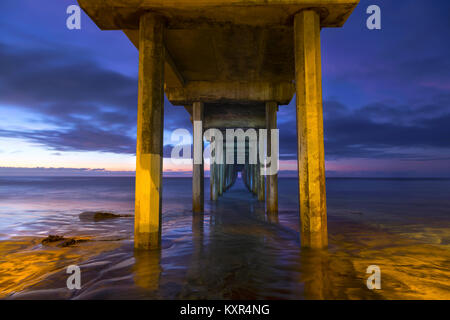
(231,64)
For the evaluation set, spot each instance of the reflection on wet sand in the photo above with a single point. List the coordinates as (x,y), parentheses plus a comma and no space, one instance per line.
(409,269)
(25,263)
(147,269)
(327,277)
(272,217)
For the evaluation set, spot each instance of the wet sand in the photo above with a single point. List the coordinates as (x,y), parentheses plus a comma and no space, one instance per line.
(233,251)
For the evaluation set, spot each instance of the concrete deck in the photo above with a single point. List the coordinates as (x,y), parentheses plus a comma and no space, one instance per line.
(244,49)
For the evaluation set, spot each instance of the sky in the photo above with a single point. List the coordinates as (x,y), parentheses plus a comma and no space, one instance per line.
(68,98)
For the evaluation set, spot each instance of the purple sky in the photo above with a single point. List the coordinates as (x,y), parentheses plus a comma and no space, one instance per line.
(68,97)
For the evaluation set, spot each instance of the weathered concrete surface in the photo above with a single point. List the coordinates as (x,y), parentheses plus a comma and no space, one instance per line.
(222,50)
(222,60)
(236,115)
(172,77)
(311,161)
(214,175)
(198,169)
(219,91)
(149,144)
(271,180)
(261,184)
(220,180)
(121,14)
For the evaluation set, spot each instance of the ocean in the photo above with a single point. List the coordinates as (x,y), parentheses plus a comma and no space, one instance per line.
(231,251)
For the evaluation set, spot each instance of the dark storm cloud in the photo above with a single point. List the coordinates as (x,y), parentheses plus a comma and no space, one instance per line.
(59,84)
(375,131)
(39,171)
(79,138)
(94,109)
(49,76)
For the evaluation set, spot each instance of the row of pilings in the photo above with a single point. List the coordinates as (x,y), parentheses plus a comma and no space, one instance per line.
(254,180)
(222,177)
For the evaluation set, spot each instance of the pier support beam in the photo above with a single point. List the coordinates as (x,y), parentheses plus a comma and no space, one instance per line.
(198,170)
(271,180)
(147,227)
(254,180)
(261,182)
(249,177)
(311,163)
(213,177)
(220,180)
(261,187)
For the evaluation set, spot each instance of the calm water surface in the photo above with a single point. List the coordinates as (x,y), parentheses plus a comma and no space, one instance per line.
(232,251)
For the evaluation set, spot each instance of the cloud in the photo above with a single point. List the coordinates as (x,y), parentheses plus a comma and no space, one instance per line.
(38,171)
(93,109)
(376,131)
(77,138)
(379,130)
(63,86)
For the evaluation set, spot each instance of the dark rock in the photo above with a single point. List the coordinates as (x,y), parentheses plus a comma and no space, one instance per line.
(51,239)
(71,242)
(61,241)
(100,215)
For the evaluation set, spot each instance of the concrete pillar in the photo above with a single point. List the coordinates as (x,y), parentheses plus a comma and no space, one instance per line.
(311,163)
(252,182)
(246,177)
(228,170)
(261,187)
(225,170)
(220,180)
(249,178)
(217,181)
(250,171)
(231,179)
(198,169)
(232,171)
(149,144)
(255,179)
(225,177)
(214,194)
(271,180)
(261,180)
